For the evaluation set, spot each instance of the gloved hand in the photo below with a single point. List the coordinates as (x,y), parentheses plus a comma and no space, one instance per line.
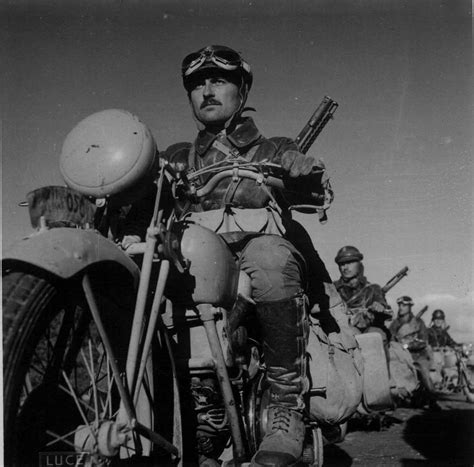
(298,164)
(361,319)
(127,240)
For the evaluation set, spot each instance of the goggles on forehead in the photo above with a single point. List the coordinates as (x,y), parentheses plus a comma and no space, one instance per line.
(225,59)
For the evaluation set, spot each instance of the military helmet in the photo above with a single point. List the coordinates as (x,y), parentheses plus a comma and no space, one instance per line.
(218,57)
(347,254)
(438,314)
(405,300)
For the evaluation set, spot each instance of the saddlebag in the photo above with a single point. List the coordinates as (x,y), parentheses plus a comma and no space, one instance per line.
(335,368)
(402,372)
(377,395)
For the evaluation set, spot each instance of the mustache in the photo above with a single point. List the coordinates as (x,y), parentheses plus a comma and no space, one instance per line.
(209,102)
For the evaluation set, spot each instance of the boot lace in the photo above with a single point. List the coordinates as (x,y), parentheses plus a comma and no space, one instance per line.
(281,420)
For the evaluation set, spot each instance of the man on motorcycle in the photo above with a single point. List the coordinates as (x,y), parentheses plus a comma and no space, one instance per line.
(438,335)
(412,333)
(407,321)
(368,311)
(365,301)
(255,223)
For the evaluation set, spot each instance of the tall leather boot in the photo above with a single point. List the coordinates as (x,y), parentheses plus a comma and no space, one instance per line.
(284,329)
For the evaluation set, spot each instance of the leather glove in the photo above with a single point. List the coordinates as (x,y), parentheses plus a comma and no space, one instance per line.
(298,164)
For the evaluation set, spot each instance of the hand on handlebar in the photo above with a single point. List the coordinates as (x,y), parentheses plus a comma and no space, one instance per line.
(298,164)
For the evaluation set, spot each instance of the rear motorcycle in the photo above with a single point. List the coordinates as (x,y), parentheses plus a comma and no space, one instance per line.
(452,372)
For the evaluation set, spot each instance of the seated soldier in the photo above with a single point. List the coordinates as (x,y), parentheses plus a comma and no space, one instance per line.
(438,335)
(256,224)
(365,301)
(412,333)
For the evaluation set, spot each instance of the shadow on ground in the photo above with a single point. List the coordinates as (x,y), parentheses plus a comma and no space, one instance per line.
(444,438)
(334,456)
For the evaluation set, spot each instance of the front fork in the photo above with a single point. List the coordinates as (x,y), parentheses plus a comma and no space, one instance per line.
(139,350)
(207,313)
(127,414)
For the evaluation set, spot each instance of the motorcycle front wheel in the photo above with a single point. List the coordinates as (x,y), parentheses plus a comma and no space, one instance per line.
(466,382)
(59,392)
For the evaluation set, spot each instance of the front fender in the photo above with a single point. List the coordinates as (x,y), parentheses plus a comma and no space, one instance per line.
(64,252)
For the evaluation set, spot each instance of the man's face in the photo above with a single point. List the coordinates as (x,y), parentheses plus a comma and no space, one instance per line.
(214,98)
(439,323)
(350,270)
(404,312)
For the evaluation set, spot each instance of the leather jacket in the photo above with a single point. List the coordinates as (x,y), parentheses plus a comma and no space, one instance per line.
(243,194)
(246,141)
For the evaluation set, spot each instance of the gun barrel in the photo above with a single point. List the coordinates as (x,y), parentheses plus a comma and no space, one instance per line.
(316,123)
(395,279)
(421,312)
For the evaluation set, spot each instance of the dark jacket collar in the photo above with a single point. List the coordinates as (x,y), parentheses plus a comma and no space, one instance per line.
(243,135)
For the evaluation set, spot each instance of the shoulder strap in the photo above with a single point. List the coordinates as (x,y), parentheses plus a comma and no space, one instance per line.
(191,157)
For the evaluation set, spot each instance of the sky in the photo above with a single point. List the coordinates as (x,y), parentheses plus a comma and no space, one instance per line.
(399,150)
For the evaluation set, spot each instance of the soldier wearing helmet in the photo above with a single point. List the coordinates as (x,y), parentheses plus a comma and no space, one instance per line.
(217,80)
(365,301)
(438,335)
(408,321)
(412,333)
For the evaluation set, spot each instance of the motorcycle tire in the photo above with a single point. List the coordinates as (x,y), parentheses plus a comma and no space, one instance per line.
(466,384)
(56,372)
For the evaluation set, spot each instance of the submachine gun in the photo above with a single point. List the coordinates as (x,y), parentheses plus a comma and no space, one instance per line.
(316,124)
(307,137)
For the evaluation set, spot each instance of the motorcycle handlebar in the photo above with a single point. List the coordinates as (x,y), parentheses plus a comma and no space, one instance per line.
(242,172)
(259,177)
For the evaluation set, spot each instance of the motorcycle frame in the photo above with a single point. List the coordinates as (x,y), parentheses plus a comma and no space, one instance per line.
(141,340)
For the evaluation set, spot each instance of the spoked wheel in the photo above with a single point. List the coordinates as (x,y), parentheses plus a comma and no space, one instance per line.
(59,391)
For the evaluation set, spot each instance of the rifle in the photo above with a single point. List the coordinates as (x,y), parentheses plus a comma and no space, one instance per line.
(395,279)
(421,312)
(316,124)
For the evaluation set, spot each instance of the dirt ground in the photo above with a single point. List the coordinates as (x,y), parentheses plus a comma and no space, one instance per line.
(414,437)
